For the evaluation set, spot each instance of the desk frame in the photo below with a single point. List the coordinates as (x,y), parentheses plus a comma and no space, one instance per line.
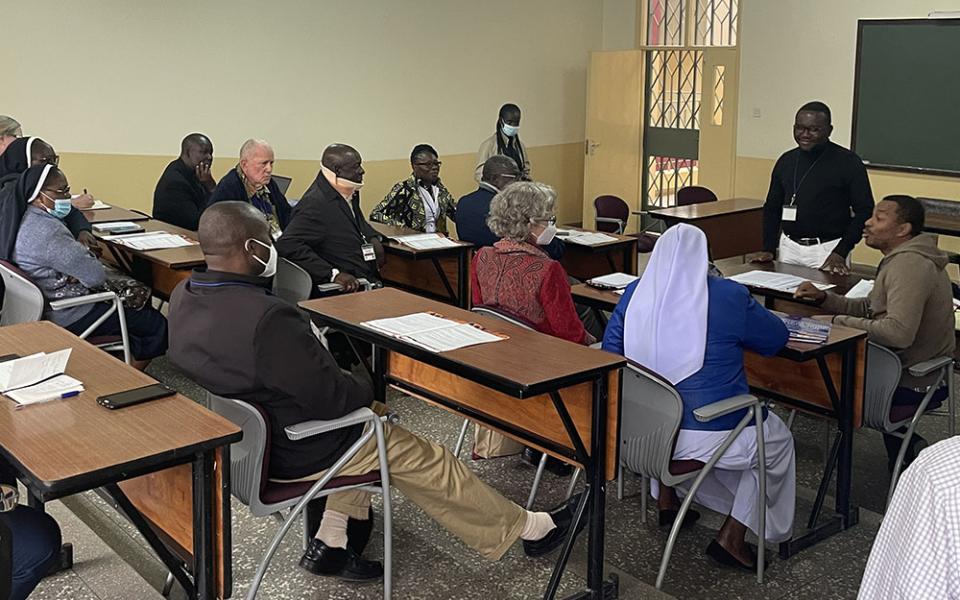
(593,503)
(459,297)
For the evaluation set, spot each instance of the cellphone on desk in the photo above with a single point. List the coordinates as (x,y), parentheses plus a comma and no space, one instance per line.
(135,396)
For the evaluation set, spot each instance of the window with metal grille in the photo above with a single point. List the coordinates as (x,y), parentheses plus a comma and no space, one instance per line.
(714,22)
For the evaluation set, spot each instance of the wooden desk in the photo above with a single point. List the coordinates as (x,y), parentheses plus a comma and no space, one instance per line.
(554,395)
(804,376)
(158,452)
(448,280)
(734,227)
(163,269)
(942,224)
(775,299)
(114,213)
(587,262)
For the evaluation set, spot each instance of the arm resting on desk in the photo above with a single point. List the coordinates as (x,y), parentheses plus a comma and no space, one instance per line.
(725,407)
(928,366)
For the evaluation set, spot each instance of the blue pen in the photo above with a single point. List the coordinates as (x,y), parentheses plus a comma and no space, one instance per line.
(69,394)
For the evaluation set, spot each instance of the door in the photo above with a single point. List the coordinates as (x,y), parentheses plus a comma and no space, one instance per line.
(718,124)
(615,88)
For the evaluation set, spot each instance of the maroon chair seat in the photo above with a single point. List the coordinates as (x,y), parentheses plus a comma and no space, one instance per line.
(611,207)
(275,491)
(694,194)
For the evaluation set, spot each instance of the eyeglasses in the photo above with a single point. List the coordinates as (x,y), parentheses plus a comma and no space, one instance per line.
(550,221)
(63,192)
(430,164)
(50,160)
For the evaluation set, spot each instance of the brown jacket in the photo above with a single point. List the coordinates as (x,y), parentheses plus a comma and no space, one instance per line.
(910,309)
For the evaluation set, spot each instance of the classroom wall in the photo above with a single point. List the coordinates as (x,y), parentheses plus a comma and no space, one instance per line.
(127,80)
(793,51)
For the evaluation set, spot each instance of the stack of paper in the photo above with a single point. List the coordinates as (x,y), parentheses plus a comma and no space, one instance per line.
(117,227)
(37,378)
(426,241)
(584,238)
(98,205)
(151,240)
(861,290)
(775,281)
(614,281)
(808,331)
(433,332)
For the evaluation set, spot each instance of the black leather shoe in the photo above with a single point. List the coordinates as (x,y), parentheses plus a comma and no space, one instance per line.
(563,518)
(358,531)
(342,563)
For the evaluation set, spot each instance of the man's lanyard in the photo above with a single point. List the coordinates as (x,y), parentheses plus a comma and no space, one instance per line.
(797,184)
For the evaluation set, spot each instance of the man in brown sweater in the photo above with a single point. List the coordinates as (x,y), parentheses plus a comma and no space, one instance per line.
(909,310)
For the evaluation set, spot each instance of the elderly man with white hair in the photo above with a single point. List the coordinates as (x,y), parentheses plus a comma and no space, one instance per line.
(251,182)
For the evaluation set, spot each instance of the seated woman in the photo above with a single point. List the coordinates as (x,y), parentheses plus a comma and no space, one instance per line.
(62,267)
(692,328)
(421,201)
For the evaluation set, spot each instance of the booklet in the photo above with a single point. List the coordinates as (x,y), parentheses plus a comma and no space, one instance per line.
(434,332)
(613,281)
(117,227)
(861,290)
(61,386)
(808,331)
(782,282)
(426,241)
(585,238)
(98,205)
(151,240)
(29,370)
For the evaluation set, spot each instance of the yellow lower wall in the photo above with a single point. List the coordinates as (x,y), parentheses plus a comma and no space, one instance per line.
(753,180)
(129,180)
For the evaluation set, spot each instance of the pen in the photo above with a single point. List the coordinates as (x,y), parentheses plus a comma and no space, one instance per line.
(69,394)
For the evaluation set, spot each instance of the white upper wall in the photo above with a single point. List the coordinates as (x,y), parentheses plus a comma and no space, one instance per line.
(133,77)
(794,51)
(620,24)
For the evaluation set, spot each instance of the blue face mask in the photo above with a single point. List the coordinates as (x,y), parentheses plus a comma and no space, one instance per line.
(61,206)
(510,130)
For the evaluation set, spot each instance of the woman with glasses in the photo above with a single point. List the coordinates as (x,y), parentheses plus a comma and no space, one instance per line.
(421,201)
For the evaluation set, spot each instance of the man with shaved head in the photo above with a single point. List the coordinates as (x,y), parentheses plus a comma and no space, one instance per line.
(328,236)
(186,184)
(251,182)
(236,339)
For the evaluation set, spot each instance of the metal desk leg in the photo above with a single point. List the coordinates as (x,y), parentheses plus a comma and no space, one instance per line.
(204,555)
(463,278)
(379,374)
(446,283)
(851,516)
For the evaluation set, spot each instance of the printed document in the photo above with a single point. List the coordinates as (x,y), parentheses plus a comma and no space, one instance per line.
(433,332)
(26,371)
(616,281)
(151,240)
(782,282)
(426,241)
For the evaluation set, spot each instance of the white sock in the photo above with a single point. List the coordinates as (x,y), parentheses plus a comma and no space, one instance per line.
(333,529)
(537,526)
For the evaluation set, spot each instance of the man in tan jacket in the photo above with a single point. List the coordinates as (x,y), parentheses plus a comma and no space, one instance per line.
(909,310)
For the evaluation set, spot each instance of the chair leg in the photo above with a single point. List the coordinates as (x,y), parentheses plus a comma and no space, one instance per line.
(167,585)
(461,437)
(387,511)
(951,403)
(762,496)
(306,530)
(573,482)
(619,482)
(645,491)
(790,418)
(536,481)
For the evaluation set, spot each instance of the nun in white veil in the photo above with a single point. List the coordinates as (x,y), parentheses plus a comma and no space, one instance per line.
(693,328)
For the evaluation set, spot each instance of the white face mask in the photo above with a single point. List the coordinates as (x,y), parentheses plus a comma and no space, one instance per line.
(269,267)
(546,236)
(510,130)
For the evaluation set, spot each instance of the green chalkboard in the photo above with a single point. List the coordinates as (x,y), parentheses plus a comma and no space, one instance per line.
(906,102)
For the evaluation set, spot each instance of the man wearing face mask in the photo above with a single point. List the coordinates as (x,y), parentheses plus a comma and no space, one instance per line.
(328,236)
(252,181)
(506,142)
(184,189)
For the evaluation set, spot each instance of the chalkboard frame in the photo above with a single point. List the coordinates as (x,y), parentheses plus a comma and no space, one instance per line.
(861,23)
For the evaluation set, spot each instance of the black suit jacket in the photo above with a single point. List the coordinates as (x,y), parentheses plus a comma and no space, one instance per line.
(179,198)
(323,235)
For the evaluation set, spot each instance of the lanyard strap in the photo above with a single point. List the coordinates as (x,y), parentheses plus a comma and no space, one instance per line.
(796,184)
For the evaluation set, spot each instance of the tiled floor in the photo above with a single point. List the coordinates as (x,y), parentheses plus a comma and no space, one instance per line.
(430,563)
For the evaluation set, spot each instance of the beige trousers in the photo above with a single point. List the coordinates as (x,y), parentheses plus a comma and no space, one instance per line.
(490,444)
(436,481)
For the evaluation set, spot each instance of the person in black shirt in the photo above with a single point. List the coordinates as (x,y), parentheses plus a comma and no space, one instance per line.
(327,235)
(819,198)
(186,184)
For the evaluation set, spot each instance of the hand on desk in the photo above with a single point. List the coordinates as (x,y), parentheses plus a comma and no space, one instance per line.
(83,201)
(87,239)
(810,292)
(762,257)
(347,281)
(835,264)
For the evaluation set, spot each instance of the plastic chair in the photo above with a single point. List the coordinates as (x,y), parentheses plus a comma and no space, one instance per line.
(250,462)
(291,282)
(651,410)
(694,194)
(23,302)
(883,375)
(612,214)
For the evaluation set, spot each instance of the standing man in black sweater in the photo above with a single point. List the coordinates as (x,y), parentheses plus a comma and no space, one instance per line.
(186,184)
(819,198)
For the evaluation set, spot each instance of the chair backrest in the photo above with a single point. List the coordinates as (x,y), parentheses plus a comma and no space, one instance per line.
(22,300)
(694,194)
(248,455)
(881,379)
(282,182)
(611,207)
(651,410)
(503,316)
(291,282)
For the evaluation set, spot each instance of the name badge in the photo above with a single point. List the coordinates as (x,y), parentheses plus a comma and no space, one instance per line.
(789,213)
(368,253)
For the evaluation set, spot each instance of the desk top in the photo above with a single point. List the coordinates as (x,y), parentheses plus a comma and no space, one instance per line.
(114,213)
(942,224)
(185,257)
(67,446)
(393,247)
(603,247)
(842,283)
(527,364)
(692,212)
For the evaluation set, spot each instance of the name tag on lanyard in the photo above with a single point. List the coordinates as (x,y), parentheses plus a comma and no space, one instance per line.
(789,213)
(368,252)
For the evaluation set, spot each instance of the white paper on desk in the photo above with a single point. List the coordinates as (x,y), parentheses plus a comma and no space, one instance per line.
(585,238)
(451,338)
(614,280)
(415,323)
(98,205)
(114,226)
(861,290)
(782,282)
(154,240)
(51,389)
(426,241)
(32,369)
